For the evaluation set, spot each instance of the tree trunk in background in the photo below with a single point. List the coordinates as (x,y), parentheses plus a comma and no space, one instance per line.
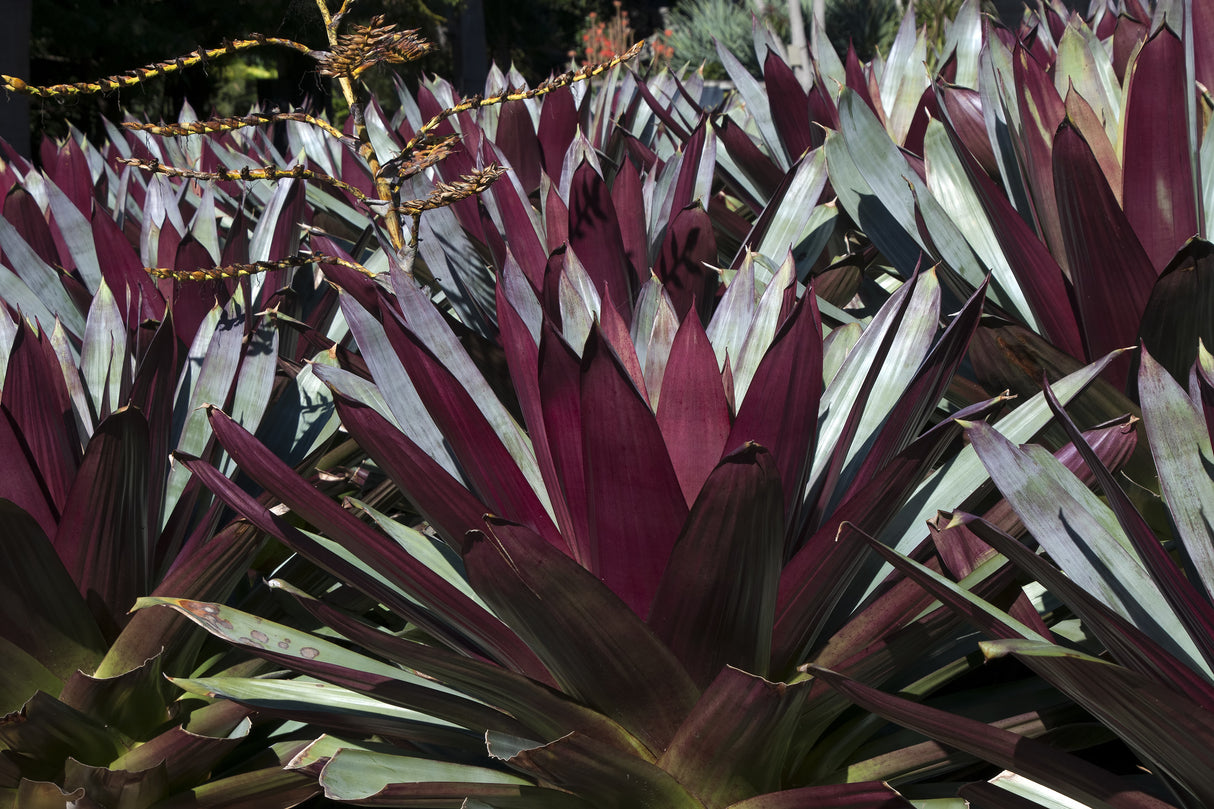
(798,51)
(15,61)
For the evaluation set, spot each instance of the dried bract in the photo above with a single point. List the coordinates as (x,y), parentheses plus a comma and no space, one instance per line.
(370,45)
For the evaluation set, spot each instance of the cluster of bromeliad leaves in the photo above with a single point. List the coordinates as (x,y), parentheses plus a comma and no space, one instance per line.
(635,516)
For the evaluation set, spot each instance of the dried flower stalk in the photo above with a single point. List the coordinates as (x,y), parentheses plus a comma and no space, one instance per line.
(239,270)
(263,173)
(555,83)
(142,74)
(215,125)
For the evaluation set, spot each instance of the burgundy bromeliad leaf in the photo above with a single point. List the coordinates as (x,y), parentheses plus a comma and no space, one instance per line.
(492,472)
(724,571)
(594,235)
(689,245)
(1061,771)
(693,412)
(517,140)
(788,380)
(790,112)
(1157,153)
(1178,314)
(1112,273)
(1041,111)
(103,534)
(477,627)
(733,743)
(36,399)
(625,461)
(598,649)
(627,195)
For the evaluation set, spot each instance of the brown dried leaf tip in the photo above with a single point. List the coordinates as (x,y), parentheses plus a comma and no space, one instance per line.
(371,44)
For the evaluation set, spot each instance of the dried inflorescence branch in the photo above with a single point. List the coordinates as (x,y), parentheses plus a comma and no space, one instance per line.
(512,94)
(215,125)
(445,194)
(142,74)
(239,270)
(420,158)
(263,173)
(370,45)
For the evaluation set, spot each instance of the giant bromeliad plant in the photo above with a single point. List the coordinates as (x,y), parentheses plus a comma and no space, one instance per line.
(614,561)
(600,587)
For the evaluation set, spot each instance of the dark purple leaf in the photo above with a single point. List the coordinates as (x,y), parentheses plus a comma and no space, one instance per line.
(23,212)
(629,201)
(594,235)
(557,129)
(20,481)
(618,338)
(821,570)
(36,399)
(598,650)
(751,161)
(859,82)
(493,473)
(472,627)
(1130,32)
(523,358)
(788,380)
(1037,271)
(1180,310)
(962,552)
(44,612)
(1063,772)
(548,713)
(1203,48)
(692,149)
(1112,274)
(103,534)
(560,401)
(556,220)
(716,603)
(790,112)
(521,238)
(152,393)
(625,461)
(517,140)
(70,171)
(1041,111)
(733,744)
(347,279)
(441,499)
(1159,182)
(688,246)
(693,412)
(963,107)
(662,111)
